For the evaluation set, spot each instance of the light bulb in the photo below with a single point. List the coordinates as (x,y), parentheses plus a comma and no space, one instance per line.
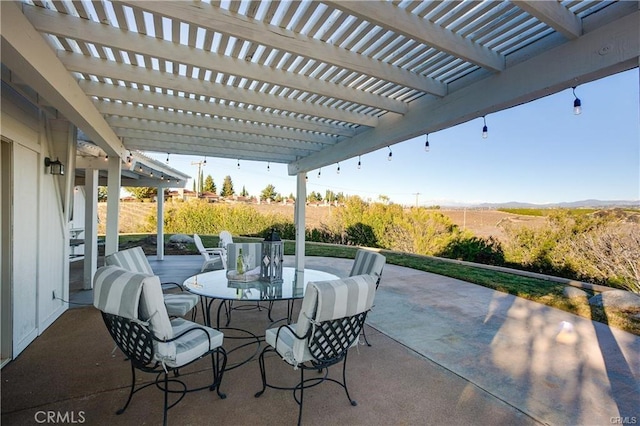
(577,104)
(390,157)
(338,169)
(426,144)
(577,107)
(359,163)
(485,129)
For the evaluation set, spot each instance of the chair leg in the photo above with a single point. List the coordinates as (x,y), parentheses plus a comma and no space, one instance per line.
(301,395)
(131,391)
(218,364)
(263,374)
(166,398)
(344,380)
(364,334)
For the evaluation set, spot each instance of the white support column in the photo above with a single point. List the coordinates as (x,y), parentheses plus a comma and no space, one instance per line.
(113,205)
(301,201)
(90,227)
(160,227)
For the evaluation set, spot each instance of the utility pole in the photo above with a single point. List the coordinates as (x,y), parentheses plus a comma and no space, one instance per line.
(417,194)
(198,183)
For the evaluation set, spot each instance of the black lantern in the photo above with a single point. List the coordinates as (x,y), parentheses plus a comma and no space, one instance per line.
(271,264)
(55,166)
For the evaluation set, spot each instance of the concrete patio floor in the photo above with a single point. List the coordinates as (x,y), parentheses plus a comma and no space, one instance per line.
(444,352)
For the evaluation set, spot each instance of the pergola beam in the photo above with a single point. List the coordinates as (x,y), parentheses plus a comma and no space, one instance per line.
(88,31)
(553,14)
(27,54)
(610,49)
(219,20)
(395,19)
(101,67)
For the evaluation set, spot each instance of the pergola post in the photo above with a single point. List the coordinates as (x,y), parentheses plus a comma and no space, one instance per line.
(113,205)
(160,224)
(299,213)
(90,227)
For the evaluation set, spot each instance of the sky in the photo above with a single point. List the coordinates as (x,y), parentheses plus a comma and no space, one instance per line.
(539,152)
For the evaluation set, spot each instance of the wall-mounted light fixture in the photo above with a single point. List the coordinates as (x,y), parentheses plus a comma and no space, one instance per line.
(55,166)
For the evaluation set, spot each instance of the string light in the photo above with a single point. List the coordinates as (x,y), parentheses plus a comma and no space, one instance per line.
(426,144)
(167,158)
(319,173)
(268,167)
(485,129)
(238,163)
(205,160)
(129,157)
(338,169)
(390,157)
(577,104)
(106,157)
(359,163)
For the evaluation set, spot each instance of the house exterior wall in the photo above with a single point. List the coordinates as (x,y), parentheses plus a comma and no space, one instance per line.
(38,264)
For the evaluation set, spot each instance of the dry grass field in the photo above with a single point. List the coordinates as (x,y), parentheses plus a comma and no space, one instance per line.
(483,223)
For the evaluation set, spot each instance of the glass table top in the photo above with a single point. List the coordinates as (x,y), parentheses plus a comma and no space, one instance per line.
(216,285)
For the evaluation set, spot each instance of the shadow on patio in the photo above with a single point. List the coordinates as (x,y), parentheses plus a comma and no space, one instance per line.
(444,351)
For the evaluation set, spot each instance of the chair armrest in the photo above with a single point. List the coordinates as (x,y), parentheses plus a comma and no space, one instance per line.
(216,250)
(168,285)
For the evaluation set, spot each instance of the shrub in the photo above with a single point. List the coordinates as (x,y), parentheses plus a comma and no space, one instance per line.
(474,249)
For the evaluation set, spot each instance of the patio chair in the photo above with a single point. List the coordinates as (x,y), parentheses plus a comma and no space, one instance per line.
(225,239)
(370,263)
(253,250)
(330,320)
(133,311)
(212,256)
(134,260)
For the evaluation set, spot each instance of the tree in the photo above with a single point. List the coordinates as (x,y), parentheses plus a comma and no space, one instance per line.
(314,196)
(142,192)
(268,193)
(227,187)
(244,192)
(102,193)
(209,186)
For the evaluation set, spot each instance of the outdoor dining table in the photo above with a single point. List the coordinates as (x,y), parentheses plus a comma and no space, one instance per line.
(216,285)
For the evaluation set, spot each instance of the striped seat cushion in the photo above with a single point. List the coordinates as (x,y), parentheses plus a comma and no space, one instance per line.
(285,345)
(132,259)
(323,301)
(194,344)
(178,304)
(345,297)
(117,291)
(254,250)
(368,262)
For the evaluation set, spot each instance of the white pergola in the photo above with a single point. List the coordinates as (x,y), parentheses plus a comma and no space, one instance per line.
(306,84)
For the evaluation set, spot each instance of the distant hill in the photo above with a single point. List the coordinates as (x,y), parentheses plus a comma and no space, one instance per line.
(599,204)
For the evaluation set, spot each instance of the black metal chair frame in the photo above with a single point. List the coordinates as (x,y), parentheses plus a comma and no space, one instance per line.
(364,334)
(136,342)
(329,343)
